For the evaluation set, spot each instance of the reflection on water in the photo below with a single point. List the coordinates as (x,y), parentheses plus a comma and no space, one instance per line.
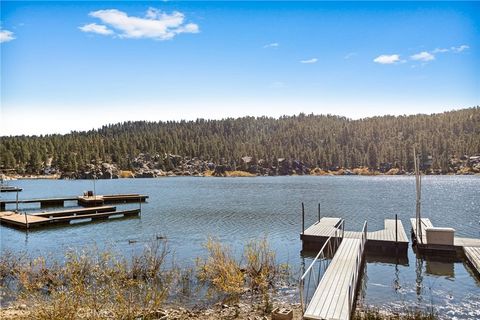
(442,283)
(235,210)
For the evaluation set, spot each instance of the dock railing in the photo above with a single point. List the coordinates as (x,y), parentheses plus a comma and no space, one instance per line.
(322,260)
(358,266)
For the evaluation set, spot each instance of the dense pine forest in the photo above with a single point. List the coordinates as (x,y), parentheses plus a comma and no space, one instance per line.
(315,141)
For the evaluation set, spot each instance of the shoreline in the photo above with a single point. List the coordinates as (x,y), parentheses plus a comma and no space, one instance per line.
(247,175)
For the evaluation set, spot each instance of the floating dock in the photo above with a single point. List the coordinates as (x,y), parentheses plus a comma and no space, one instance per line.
(432,239)
(85,201)
(392,236)
(10,189)
(42,219)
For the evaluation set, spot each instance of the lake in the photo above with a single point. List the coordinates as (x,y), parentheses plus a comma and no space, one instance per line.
(189,209)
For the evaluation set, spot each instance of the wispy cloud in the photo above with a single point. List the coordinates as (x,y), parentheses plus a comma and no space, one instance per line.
(6,36)
(440,50)
(309,61)
(272,45)
(387,59)
(96,28)
(461,48)
(155,25)
(423,56)
(349,55)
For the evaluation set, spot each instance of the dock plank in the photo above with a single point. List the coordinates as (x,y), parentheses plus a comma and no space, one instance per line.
(473,255)
(330,300)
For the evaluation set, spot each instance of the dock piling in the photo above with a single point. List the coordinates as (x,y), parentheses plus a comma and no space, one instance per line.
(303,217)
(396,228)
(319,211)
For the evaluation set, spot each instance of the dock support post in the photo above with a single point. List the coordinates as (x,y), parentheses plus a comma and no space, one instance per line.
(26,220)
(396,228)
(303,218)
(319,212)
(16,210)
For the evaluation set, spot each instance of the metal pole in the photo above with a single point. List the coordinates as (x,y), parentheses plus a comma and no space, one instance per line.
(17,202)
(319,211)
(303,218)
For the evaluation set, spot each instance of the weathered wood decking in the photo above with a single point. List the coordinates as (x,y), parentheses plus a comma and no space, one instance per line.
(332,299)
(86,201)
(473,255)
(44,202)
(393,235)
(27,221)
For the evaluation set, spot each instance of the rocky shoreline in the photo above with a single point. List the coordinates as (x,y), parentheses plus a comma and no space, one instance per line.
(147,166)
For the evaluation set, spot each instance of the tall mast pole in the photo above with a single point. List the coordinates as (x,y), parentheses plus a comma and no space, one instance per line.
(418,183)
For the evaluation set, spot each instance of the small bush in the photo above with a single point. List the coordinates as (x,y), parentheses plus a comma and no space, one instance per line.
(220,270)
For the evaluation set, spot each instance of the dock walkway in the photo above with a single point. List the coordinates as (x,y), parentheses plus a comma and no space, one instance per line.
(473,255)
(332,298)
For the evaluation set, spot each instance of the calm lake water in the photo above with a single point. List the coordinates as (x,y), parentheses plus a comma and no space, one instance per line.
(187,210)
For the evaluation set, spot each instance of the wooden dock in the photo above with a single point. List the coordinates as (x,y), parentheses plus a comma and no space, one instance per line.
(470,247)
(458,242)
(393,235)
(473,256)
(10,189)
(27,221)
(331,298)
(86,201)
(44,202)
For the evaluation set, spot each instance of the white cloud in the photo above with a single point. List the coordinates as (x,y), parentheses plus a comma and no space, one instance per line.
(156,24)
(460,48)
(271,45)
(6,36)
(96,28)
(309,61)
(423,56)
(387,59)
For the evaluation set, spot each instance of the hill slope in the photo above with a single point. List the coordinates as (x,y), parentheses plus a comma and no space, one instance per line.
(323,141)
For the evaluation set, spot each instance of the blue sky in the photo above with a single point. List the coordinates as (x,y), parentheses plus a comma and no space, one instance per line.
(78,65)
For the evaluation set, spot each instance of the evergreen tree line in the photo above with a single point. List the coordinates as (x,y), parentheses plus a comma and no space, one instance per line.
(323,141)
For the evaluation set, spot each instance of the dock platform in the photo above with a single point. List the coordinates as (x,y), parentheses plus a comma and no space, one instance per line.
(470,247)
(393,235)
(10,189)
(85,201)
(27,221)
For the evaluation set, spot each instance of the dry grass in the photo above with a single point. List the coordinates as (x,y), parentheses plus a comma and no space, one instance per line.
(220,270)
(126,174)
(90,285)
(228,277)
(238,173)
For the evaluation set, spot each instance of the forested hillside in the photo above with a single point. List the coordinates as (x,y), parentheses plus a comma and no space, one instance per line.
(322,141)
